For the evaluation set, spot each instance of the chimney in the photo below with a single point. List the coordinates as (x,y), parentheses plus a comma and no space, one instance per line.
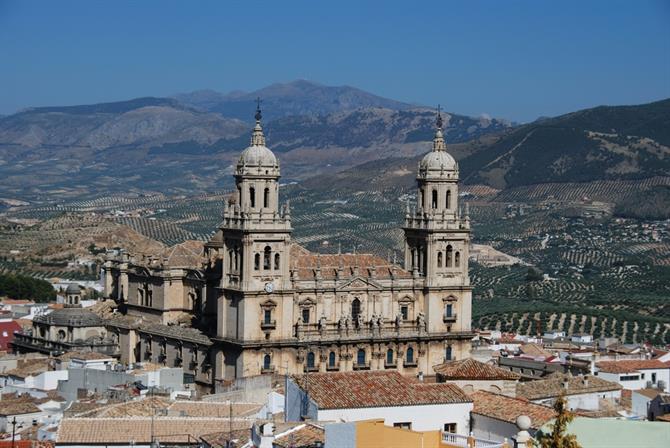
(420,376)
(566,383)
(585,381)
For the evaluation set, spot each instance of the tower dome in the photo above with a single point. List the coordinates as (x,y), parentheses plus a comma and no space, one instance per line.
(257,158)
(438,161)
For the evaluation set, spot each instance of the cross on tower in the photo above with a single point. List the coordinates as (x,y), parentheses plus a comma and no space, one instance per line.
(258,109)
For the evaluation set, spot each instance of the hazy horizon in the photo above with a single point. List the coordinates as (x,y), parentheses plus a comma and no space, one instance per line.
(516,61)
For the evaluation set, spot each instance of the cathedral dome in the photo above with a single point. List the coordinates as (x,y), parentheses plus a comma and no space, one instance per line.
(73,288)
(257,155)
(438,160)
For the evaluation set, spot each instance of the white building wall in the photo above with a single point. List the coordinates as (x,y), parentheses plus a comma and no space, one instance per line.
(488,428)
(639,404)
(423,418)
(587,402)
(661,375)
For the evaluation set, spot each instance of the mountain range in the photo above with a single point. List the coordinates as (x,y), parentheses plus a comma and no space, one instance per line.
(188,143)
(602,143)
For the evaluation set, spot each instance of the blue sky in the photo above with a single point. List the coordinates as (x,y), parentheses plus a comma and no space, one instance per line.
(511,59)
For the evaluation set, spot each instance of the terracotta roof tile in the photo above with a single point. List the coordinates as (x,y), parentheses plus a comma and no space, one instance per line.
(630,365)
(553,386)
(17,406)
(375,389)
(170,430)
(29,368)
(303,435)
(307,264)
(471,369)
(507,409)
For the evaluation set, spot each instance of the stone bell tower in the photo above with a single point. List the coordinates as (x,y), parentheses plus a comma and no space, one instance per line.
(256,232)
(437,239)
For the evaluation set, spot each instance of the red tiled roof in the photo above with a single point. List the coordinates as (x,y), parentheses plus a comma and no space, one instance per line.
(554,385)
(304,435)
(26,444)
(507,409)
(307,263)
(345,390)
(630,365)
(471,369)
(7,330)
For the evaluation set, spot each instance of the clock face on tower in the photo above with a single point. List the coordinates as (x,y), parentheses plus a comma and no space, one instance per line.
(269,287)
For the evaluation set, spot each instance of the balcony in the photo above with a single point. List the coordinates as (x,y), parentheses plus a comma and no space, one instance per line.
(459,441)
(333,368)
(311,369)
(449,317)
(364,366)
(412,363)
(268,325)
(267,370)
(27,343)
(391,365)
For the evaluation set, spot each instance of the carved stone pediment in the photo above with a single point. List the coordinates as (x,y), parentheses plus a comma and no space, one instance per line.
(360,283)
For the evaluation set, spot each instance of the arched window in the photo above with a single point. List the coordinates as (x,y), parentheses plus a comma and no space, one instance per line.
(266,198)
(257,261)
(439,259)
(447,355)
(448,199)
(331,359)
(450,252)
(310,360)
(360,357)
(252,196)
(413,262)
(457,259)
(276,261)
(449,310)
(237,258)
(355,309)
(434,204)
(389,356)
(267,255)
(410,355)
(421,194)
(267,362)
(231,262)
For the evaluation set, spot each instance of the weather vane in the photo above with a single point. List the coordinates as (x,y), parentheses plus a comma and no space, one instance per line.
(258,109)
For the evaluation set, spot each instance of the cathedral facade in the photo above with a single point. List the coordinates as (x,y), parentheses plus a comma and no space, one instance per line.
(253,302)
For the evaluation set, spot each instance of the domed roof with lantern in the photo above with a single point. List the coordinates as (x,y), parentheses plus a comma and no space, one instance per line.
(257,158)
(438,161)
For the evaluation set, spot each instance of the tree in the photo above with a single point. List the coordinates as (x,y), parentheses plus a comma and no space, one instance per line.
(558,437)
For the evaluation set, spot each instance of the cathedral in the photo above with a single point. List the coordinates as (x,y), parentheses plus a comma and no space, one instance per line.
(250,301)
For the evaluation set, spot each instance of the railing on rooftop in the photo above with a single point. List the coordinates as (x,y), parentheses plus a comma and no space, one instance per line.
(471,442)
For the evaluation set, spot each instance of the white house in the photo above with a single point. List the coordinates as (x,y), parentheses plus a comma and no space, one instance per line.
(581,392)
(494,416)
(36,385)
(640,400)
(23,411)
(400,401)
(636,374)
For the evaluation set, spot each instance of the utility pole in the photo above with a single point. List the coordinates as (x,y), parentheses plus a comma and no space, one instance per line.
(13,430)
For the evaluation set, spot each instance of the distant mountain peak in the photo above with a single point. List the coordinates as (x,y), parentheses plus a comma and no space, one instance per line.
(282,99)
